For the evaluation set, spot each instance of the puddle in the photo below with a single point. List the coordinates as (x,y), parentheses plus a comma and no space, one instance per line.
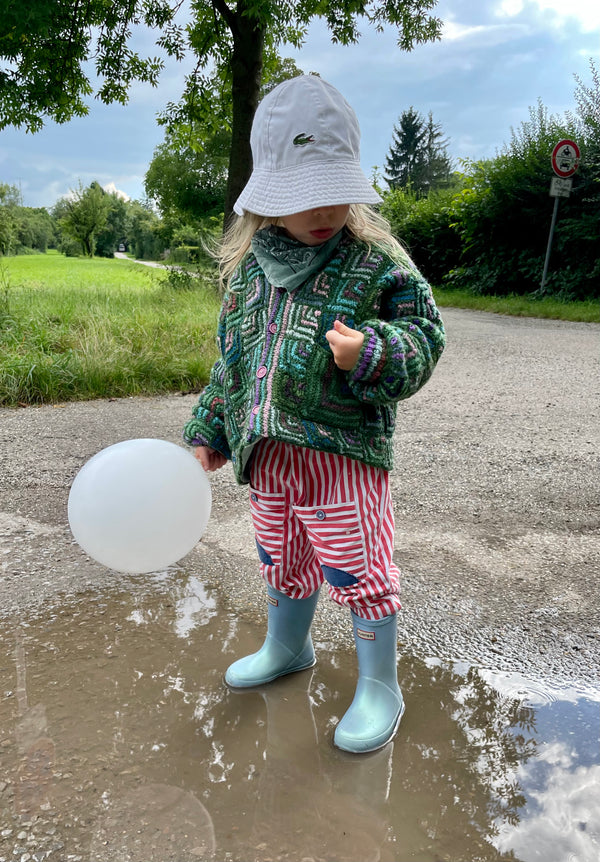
(119,741)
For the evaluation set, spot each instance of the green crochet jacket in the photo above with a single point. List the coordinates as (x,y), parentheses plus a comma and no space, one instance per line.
(276,376)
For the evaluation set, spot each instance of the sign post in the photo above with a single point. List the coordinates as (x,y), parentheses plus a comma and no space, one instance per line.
(565,161)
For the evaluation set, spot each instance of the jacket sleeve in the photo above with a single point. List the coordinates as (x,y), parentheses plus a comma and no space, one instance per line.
(207,426)
(402,348)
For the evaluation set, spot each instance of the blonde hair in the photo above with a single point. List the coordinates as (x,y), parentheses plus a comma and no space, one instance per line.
(363,222)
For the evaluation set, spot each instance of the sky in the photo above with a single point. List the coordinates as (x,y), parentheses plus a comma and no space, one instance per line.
(495,61)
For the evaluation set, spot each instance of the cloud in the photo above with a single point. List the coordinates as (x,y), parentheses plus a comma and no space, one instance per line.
(494,62)
(585,13)
(567,813)
(479,35)
(111,189)
(510,7)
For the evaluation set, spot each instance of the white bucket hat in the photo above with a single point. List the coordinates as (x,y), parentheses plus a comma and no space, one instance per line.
(306,151)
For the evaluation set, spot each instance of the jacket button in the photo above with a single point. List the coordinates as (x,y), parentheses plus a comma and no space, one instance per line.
(320,514)
(273,328)
(261,372)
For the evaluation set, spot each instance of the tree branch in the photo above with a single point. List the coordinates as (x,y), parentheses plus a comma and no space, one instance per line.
(225,12)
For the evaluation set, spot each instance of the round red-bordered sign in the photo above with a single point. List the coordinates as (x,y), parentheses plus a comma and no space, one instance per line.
(565,158)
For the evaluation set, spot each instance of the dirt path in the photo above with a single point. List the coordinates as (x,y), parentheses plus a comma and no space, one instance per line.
(496,491)
(122,256)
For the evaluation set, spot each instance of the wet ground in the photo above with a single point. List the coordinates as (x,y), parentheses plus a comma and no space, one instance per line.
(119,741)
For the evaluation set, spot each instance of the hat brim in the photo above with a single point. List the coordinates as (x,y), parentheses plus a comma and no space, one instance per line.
(305,187)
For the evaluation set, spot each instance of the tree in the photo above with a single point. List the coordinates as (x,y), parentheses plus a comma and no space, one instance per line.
(84,214)
(438,165)
(587,98)
(22,229)
(587,122)
(36,229)
(10,200)
(189,180)
(45,43)
(417,159)
(503,214)
(234,35)
(113,233)
(406,152)
(231,35)
(187,177)
(143,231)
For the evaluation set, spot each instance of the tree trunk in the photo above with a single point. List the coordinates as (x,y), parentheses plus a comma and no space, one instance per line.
(246,69)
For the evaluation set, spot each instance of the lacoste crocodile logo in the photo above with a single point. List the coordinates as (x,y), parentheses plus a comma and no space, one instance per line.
(303,139)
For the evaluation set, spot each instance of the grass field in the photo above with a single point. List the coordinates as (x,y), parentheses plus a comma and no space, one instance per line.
(74,328)
(522,306)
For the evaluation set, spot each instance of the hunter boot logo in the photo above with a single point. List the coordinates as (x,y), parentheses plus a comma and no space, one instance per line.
(365,635)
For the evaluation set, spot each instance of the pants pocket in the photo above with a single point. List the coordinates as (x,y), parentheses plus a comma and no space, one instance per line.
(336,535)
(268,513)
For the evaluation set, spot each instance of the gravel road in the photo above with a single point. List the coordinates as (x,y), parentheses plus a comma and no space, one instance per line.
(496,489)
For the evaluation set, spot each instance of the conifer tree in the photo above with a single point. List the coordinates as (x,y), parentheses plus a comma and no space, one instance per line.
(418,158)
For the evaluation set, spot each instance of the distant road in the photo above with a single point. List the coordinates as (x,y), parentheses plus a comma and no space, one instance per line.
(122,256)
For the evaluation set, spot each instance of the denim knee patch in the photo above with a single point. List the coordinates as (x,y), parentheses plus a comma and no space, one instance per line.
(263,556)
(338,577)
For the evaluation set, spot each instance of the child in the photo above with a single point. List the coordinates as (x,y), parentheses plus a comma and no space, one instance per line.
(325,325)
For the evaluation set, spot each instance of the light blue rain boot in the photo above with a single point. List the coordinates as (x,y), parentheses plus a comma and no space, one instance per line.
(287,648)
(375,713)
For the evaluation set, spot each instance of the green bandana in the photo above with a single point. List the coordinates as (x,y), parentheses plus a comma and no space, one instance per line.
(285,261)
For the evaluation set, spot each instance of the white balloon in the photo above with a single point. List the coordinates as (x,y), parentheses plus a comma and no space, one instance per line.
(140,505)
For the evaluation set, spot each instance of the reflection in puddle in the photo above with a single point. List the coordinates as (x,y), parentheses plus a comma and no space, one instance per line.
(119,741)
(562,818)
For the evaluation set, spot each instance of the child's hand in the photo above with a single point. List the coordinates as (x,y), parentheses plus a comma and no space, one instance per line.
(345,345)
(210,459)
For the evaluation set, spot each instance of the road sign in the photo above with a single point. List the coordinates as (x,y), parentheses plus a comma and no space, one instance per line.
(560,188)
(565,159)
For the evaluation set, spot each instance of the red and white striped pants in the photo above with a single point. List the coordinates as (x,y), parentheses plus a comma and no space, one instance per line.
(321,516)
